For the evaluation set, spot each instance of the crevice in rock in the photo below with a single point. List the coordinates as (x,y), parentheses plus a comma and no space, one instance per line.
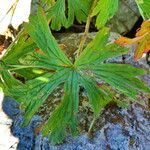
(137,25)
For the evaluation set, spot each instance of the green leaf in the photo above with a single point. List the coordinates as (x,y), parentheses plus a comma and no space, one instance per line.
(98,50)
(36,91)
(78,9)
(7,81)
(63,13)
(66,113)
(105,9)
(122,77)
(57,15)
(39,31)
(98,97)
(21,46)
(93,49)
(144,6)
(55,68)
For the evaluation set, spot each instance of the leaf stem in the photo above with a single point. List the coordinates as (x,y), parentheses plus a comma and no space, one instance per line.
(87,26)
(91,125)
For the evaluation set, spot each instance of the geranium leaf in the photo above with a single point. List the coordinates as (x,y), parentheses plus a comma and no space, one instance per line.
(56,69)
(76,9)
(122,77)
(35,92)
(97,50)
(39,31)
(66,111)
(105,9)
(98,97)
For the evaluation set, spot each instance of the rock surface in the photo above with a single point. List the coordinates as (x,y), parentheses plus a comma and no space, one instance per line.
(119,129)
(7,140)
(125,18)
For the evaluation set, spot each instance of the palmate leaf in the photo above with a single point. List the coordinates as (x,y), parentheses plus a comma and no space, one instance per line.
(42,35)
(45,85)
(88,67)
(98,97)
(105,9)
(7,81)
(36,91)
(65,115)
(122,77)
(21,46)
(98,50)
(75,8)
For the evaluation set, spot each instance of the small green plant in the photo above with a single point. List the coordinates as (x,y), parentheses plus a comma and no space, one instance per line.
(47,70)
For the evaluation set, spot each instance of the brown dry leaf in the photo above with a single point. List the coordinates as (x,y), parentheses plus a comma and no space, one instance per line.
(145,28)
(1,49)
(142,40)
(39,51)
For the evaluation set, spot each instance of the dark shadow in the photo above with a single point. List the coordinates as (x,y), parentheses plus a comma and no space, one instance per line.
(137,25)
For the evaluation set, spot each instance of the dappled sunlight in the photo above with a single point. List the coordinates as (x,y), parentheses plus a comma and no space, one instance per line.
(37,71)
(44,79)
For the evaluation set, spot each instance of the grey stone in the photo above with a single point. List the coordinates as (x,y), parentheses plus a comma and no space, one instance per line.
(125,18)
(116,136)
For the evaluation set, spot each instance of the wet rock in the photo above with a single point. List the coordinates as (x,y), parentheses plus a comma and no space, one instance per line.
(26,135)
(13,110)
